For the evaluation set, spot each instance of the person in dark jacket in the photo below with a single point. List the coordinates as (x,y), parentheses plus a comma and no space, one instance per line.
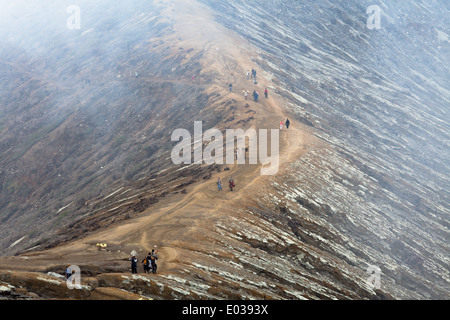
(231,184)
(134,262)
(287,123)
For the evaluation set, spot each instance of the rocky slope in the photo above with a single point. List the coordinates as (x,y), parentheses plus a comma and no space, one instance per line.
(363,179)
(376,191)
(89,112)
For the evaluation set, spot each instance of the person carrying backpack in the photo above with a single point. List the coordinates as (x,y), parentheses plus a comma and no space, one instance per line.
(144,264)
(147,264)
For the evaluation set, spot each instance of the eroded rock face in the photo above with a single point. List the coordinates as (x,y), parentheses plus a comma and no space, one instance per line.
(81,132)
(369,189)
(374,188)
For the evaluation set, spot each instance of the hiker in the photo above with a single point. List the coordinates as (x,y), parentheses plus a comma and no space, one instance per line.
(150,264)
(281,125)
(266,93)
(287,123)
(68,272)
(248,74)
(231,183)
(153,258)
(245,94)
(219,184)
(255,95)
(134,262)
(253,72)
(230,86)
(146,263)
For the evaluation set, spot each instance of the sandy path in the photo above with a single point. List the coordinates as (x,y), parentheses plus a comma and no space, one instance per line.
(186,221)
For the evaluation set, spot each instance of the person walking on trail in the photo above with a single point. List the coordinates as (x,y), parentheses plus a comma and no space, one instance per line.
(153,258)
(248,74)
(219,184)
(150,267)
(134,262)
(230,86)
(266,93)
(231,183)
(144,264)
(281,125)
(245,94)
(255,95)
(287,123)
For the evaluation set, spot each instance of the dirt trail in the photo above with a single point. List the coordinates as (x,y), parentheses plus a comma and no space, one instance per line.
(186,222)
(183,222)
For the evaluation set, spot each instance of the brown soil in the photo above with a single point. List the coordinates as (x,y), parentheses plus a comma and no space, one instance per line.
(181,226)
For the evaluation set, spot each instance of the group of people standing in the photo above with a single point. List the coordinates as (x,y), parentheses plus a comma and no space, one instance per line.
(252,75)
(149,262)
(255,94)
